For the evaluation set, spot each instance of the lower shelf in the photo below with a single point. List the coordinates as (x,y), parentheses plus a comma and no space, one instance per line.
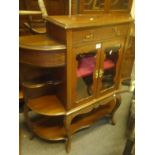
(49,128)
(86,120)
(52,128)
(48,105)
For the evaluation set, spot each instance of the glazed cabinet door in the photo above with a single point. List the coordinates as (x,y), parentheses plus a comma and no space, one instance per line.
(91,6)
(86,62)
(100,6)
(120,5)
(109,70)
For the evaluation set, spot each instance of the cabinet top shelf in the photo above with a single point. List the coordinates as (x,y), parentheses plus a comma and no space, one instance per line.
(84,21)
(40,43)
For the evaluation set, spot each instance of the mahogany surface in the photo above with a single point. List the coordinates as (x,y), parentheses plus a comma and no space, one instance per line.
(40,43)
(81,34)
(40,50)
(85,21)
(129,56)
(85,120)
(46,105)
(52,128)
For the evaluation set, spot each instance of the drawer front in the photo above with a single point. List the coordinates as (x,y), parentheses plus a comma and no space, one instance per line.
(83,36)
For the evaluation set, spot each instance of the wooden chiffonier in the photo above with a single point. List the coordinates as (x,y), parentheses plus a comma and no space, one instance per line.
(80,63)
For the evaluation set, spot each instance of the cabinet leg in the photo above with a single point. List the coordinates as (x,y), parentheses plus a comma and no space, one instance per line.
(113,120)
(26,110)
(67,123)
(118,102)
(32,136)
(68,144)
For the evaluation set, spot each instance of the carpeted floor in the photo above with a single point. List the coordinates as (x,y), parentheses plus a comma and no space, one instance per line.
(100,139)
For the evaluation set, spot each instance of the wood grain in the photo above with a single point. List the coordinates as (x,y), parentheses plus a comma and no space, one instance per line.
(40,50)
(47,105)
(85,21)
(49,128)
(88,119)
(40,43)
(78,34)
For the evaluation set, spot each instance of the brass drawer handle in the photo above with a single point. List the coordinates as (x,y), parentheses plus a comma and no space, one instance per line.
(117,32)
(88,37)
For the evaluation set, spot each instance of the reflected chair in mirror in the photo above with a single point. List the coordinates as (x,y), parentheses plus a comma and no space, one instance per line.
(35,23)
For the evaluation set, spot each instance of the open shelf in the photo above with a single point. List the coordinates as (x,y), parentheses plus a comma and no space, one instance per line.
(86,120)
(52,128)
(39,84)
(49,128)
(48,105)
(41,51)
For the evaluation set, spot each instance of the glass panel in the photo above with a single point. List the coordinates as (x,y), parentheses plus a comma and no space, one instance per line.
(85,68)
(93,4)
(109,67)
(119,4)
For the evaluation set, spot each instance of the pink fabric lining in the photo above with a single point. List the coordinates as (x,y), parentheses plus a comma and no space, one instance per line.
(108,64)
(87,65)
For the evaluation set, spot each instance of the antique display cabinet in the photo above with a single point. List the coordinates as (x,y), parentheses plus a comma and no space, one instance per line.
(71,75)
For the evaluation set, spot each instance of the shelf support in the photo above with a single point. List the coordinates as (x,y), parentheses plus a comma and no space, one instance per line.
(67,124)
(117,100)
(26,110)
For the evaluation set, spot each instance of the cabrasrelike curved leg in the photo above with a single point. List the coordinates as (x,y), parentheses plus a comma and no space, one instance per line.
(26,110)
(67,124)
(118,102)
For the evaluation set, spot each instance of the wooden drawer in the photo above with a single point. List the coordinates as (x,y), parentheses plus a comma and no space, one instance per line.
(82,36)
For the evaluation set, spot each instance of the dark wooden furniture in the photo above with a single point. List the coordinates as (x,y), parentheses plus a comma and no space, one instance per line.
(32,11)
(35,24)
(71,76)
(101,6)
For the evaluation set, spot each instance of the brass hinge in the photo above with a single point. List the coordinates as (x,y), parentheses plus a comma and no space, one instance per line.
(96,74)
(101,72)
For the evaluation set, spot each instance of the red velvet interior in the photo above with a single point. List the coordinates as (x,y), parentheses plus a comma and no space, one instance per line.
(86,66)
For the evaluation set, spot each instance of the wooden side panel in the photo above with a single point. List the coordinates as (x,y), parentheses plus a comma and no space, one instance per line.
(55,7)
(56,32)
(62,88)
(128,59)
